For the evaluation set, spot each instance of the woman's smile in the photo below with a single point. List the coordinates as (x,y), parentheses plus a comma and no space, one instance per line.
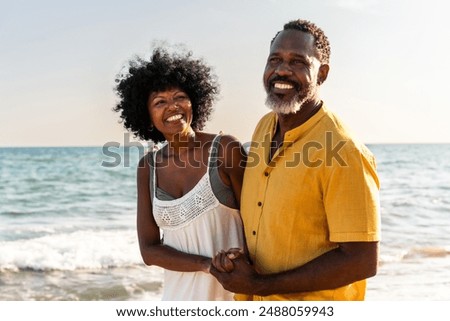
(174,118)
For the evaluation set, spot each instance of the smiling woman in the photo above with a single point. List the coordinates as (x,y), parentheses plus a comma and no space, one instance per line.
(189,189)
(170,111)
(161,72)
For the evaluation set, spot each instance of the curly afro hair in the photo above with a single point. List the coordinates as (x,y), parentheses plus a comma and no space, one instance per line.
(321,41)
(161,72)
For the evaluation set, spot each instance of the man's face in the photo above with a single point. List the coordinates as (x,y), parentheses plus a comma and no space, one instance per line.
(290,76)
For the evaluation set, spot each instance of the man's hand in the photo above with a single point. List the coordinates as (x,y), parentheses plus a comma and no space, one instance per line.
(233,270)
(223,261)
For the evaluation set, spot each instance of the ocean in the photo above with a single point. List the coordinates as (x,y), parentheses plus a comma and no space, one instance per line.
(67,225)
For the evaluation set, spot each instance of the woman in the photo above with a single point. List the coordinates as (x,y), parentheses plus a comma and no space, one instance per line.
(189,189)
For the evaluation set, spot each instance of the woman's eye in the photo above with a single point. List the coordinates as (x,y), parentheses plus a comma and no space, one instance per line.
(181,98)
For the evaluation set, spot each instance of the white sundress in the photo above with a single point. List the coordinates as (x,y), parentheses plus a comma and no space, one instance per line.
(196,223)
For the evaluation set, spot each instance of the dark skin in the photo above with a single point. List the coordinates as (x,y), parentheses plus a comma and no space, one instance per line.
(179,166)
(294,58)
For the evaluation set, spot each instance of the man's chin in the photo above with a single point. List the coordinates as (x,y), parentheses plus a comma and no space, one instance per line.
(281,107)
(286,110)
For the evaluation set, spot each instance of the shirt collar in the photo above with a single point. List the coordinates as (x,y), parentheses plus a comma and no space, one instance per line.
(298,132)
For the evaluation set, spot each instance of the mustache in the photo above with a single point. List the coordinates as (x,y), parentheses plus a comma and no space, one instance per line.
(295,84)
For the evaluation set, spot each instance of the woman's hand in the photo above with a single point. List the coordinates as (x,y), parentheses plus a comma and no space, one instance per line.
(223,261)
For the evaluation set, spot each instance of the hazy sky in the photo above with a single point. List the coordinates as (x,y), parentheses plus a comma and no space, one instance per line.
(58,60)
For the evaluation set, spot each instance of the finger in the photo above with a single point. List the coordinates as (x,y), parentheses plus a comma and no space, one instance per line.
(227,264)
(224,260)
(217,262)
(235,253)
(241,262)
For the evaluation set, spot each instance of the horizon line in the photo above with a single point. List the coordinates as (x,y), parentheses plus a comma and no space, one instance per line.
(132,144)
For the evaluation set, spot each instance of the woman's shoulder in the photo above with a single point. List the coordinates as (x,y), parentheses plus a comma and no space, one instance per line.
(229,142)
(225,141)
(231,151)
(145,162)
(205,137)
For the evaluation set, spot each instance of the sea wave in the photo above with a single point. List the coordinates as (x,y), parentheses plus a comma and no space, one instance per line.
(71,251)
(427,252)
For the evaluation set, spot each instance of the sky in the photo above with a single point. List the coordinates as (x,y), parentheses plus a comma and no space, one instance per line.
(388,77)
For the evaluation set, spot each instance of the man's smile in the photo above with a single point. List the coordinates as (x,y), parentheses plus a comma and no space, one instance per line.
(283,85)
(279,85)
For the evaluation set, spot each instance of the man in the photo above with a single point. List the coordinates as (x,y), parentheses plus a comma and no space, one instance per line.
(309,201)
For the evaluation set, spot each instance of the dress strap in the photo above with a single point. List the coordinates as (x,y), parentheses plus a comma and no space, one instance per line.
(214,152)
(153,178)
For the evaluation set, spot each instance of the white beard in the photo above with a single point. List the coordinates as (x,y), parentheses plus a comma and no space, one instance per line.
(294,105)
(290,107)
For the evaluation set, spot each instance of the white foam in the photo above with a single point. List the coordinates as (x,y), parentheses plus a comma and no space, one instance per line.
(72,251)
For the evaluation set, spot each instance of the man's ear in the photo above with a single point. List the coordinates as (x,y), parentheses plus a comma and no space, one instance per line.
(323,73)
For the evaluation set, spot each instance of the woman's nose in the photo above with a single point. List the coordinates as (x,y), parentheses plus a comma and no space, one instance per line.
(173,104)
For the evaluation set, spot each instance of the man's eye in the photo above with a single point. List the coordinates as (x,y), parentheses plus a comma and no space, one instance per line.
(274,60)
(298,62)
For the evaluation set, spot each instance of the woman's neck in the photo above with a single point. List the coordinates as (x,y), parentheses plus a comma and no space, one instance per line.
(182,142)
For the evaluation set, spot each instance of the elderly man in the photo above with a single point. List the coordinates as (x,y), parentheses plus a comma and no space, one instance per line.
(310,197)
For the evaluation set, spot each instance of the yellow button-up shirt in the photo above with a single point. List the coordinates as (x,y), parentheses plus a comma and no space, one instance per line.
(319,188)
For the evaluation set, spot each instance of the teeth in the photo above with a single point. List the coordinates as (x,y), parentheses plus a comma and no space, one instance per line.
(174,117)
(282,86)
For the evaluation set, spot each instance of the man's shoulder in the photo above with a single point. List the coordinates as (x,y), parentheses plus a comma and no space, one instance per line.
(334,124)
(266,123)
(268,117)
(340,131)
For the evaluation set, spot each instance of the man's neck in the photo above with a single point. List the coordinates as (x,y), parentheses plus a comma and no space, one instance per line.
(286,122)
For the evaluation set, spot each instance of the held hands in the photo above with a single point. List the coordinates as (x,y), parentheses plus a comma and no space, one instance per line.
(233,270)
(223,261)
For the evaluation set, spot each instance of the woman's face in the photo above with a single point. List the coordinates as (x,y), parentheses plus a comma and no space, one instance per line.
(170,111)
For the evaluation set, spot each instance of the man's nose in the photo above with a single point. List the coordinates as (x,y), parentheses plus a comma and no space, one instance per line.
(283,69)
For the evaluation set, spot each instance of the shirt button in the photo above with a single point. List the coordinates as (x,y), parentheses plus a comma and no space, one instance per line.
(254,232)
(266,174)
(259,203)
